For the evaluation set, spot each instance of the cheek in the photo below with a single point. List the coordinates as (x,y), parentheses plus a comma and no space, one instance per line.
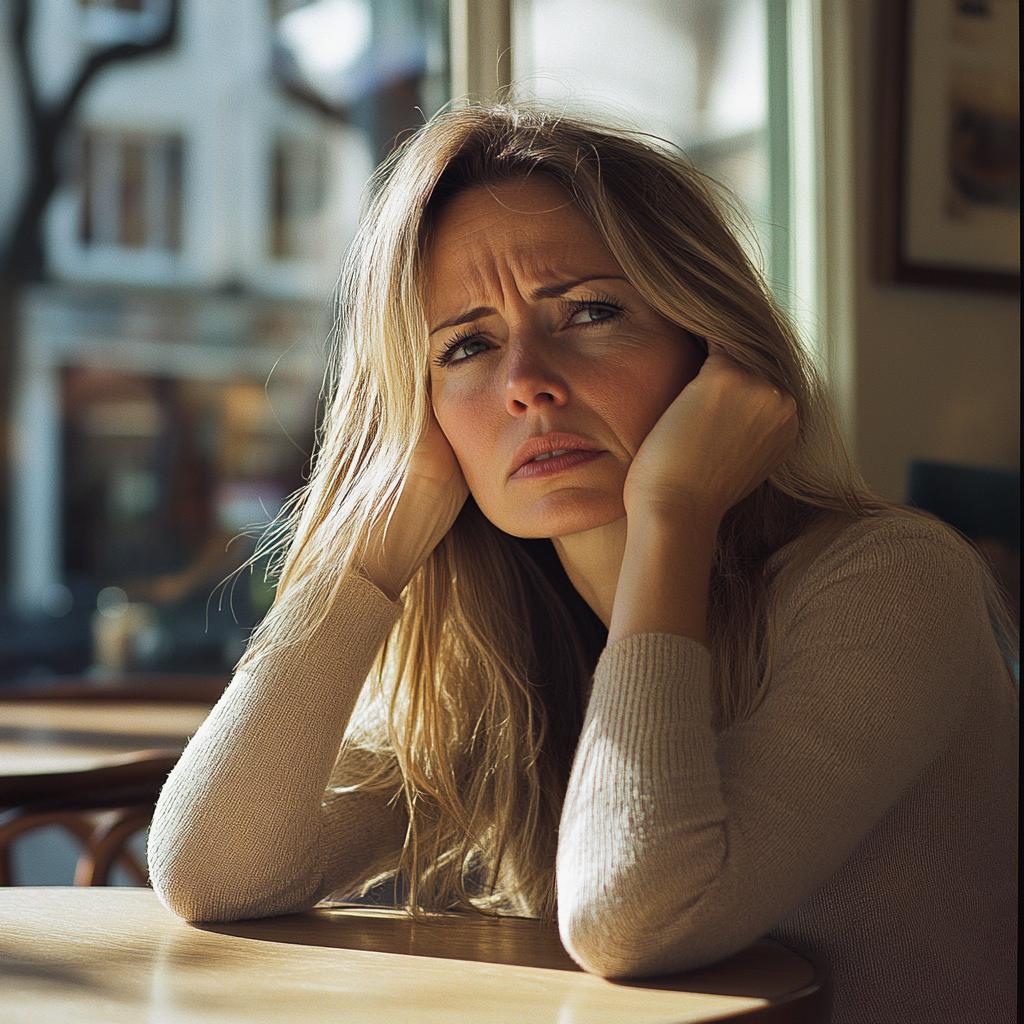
(657,384)
(466,416)
(631,395)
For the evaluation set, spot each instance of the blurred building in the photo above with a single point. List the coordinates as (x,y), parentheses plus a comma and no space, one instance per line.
(169,367)
(195,169)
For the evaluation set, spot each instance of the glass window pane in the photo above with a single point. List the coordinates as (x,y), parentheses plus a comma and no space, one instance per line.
(692,73)
(171,357)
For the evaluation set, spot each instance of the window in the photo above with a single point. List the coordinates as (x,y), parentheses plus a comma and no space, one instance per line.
(298,193)
(693,74)
(131,190)
(735,83)
(169,404)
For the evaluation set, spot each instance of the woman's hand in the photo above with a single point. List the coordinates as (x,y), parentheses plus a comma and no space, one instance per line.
(432,496)
(723,436)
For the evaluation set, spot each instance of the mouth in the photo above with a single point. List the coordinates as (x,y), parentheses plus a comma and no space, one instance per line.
(552,453)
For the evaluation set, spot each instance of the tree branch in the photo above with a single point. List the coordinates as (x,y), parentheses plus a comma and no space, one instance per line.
(20,20)
(114,54)
(308,98)
(23,258)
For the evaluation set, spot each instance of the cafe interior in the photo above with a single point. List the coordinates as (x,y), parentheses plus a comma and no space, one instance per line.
(179,180)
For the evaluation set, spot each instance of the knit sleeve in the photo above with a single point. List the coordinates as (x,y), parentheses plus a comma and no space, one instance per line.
(679,846)
(245,826)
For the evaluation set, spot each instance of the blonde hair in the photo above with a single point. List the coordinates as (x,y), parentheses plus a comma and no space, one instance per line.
(472,713)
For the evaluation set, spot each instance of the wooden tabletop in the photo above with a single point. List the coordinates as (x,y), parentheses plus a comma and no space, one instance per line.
(73,735)
(55,747)
(115,955)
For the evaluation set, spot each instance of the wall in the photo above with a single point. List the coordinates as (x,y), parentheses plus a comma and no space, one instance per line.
(937,371)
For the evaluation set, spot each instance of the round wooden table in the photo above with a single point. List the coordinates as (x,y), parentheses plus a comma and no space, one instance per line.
(67,756)
(62,748)
(116,955)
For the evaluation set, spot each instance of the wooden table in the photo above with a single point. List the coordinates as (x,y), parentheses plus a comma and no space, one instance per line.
(115,955)
(67,753)
(58,749)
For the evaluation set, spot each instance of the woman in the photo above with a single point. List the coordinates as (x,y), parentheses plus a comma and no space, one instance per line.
(631,630)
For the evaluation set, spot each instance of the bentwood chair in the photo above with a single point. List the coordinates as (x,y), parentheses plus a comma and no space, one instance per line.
(91,758)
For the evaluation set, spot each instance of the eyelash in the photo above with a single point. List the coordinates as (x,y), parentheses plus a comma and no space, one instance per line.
(454,345)
(602,302)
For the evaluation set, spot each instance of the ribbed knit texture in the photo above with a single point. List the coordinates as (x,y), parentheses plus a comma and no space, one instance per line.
(866,812)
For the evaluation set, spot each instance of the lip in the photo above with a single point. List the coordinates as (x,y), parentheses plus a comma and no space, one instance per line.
(551,443)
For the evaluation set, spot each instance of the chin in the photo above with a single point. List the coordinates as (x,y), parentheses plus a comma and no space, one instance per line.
(557,515)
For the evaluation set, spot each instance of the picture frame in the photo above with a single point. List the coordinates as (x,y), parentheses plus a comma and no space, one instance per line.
(948,117)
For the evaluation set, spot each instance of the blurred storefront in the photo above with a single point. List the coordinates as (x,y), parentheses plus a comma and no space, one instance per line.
(158,434)
(169,355)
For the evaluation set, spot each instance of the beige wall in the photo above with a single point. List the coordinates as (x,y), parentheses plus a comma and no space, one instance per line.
(936,371)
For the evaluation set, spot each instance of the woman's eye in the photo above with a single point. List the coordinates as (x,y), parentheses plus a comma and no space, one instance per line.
(592,313)
(460,350)
(467,349)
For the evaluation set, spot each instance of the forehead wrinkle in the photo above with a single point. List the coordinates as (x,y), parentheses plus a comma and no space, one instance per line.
(531,265)
(477,254)
(488,285)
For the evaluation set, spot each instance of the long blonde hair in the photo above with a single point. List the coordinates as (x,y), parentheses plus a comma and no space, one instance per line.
(473,711)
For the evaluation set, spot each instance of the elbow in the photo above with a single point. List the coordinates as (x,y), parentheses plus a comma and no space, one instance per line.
(611,943)
(215,899)
(210,886)
(191,880)
(634,917)
(197,908)
(206,874)
(605,959)
(193,897)
(634,935)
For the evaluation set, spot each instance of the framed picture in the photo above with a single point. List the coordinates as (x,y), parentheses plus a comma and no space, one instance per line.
(948,114)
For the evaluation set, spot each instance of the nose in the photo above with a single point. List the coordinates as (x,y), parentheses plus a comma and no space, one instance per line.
(531,382)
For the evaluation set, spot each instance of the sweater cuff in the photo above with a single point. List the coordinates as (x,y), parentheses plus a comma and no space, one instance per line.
(654,677)
(361,605)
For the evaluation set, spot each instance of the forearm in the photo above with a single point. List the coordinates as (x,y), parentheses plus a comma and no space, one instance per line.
(644,801)
(237,830)
(666,568)
(678,844)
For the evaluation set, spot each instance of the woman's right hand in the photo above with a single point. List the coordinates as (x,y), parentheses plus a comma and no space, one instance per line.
(432,497)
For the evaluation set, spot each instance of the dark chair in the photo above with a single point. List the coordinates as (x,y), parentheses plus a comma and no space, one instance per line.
(101,806)
(983,504)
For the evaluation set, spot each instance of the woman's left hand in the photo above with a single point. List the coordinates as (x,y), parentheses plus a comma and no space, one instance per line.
(725,433)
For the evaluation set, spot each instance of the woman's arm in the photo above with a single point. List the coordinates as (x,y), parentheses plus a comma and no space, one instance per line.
(724,434)
(649,719)
(679,846)
(244,827)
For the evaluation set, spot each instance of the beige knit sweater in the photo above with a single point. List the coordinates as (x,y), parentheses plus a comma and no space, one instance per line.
(866,812)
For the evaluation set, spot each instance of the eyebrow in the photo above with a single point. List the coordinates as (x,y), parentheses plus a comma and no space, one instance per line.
(551,291)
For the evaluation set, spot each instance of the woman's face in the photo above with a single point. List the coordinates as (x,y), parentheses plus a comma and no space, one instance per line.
(548,369)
